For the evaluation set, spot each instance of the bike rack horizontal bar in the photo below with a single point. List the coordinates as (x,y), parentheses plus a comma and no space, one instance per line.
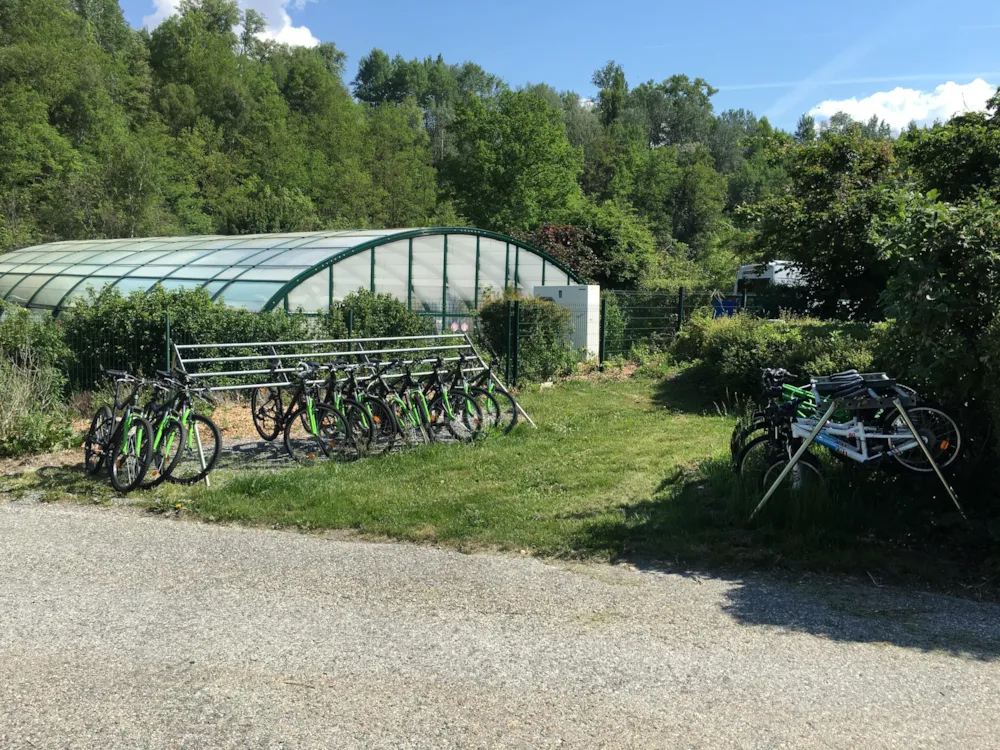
(317,341)
(313,355)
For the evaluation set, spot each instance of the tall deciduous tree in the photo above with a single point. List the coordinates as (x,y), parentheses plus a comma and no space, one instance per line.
(513,166)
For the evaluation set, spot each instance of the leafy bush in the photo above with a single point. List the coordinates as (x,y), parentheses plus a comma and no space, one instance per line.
(374,316)
(543,336)
(736,349)
(110,330)
(33,417)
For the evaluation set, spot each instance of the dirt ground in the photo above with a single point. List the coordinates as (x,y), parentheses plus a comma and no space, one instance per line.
(232,417)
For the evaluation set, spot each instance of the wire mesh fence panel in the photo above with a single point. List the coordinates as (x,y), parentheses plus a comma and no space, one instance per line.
(638,320)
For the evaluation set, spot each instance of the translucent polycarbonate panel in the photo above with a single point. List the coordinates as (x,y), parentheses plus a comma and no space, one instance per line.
(197,272)
(148,258)
(351,274)
(428,273)
(529,271)
(82,290)
(27,288)
(180,257)
(174,284)
(52,293)
(492,262)
(227,274)
(153,271)
(335,243)
(27,267)
(214,286)
(300,258)
(260,243)
(225,257)
(114,270)
(77,257)
(273,273)
(127,286)
(249,294)
(8,267)
(312,295)
(9,281)
(110,257)
(462,269)
(392,265)
(54,268)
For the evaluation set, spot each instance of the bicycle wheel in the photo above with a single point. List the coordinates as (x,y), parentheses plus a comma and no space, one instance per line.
(937,430)
(166,453)
(360,423)
(805,477)
(508,410)
(266,408)
(331,438)
(406,430)
(464,423)
(202,447)
(386,430)
(493,414)
(755,459)
(96,447)
(743,434)
(132,455)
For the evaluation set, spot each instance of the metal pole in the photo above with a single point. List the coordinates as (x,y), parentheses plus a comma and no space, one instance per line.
(517,339)
(913,430)
(350,323)
(602,347)
(820,424)
(743,300)
(506,364)
(168,343)
(680,307)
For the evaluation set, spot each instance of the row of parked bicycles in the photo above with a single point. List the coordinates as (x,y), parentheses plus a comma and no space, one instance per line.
(867,428)
(333,410)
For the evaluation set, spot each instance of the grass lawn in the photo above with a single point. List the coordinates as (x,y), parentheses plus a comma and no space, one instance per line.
(632,469)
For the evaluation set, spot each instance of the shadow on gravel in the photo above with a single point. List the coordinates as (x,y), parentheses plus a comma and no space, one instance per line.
(870,614)
(852,580)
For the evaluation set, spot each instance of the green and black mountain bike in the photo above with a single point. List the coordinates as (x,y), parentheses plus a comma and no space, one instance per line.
(124,443)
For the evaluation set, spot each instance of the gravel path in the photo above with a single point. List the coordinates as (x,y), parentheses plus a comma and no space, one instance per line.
(119,629)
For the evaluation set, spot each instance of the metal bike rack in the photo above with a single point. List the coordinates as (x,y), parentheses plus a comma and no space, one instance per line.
(821,423)
(366,350)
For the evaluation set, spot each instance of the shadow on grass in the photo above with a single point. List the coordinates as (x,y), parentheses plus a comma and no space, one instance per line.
(877,533)
(688,391)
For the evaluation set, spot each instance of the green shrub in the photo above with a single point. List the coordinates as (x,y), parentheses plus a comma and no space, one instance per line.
(33,417)
(544,345)
(110,330)
(373,316)
(734,350)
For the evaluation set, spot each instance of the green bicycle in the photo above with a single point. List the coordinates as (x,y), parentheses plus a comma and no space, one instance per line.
(123,443)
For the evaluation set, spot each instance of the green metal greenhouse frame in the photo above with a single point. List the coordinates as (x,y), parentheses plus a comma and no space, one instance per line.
(441,271)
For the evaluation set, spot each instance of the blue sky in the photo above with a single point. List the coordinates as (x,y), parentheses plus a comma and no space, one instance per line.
(779,58)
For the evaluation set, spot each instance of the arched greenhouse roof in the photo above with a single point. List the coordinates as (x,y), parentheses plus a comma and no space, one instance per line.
(437,270)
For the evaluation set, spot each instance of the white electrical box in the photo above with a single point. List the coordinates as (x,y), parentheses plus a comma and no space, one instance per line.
(584,302)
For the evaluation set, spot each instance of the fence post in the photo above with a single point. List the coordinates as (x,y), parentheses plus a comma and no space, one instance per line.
(680,307)
(350,324)
(517,338)
(602,346)
(507,352)
(167,366)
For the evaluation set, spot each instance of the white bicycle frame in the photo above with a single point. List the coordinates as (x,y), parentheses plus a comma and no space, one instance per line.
(831,434)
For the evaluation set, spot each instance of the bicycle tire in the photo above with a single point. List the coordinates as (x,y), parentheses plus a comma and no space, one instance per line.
(166,454)
(386,429)
(200,431)
(508,408)
(333,438)
(938,431)
(806,475)
(132,455)
(465,426)
(409,433)
(267,410)
(95,448)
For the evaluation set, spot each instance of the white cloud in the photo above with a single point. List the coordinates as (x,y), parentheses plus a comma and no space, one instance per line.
(279,24)
(901,106)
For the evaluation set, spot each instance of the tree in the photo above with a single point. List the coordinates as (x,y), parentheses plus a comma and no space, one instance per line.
(613,94)
(828,221)
(805,130)
(514,167)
